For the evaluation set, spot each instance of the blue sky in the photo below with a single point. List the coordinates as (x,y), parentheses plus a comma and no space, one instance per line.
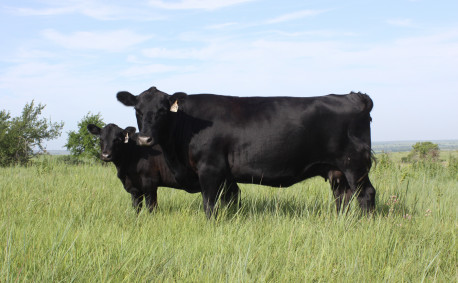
(74,56)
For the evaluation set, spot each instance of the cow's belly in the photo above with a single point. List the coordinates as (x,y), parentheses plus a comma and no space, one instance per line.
(268,164)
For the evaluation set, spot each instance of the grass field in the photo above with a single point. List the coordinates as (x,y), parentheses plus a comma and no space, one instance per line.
(74,223)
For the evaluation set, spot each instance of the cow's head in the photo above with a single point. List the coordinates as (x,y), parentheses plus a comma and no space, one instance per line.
(152,108)
(112,139)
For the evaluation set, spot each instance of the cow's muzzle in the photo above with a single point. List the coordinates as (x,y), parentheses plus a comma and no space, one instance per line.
(145,141)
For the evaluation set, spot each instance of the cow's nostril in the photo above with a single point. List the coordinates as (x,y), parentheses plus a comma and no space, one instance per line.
(145,141)
(106,155)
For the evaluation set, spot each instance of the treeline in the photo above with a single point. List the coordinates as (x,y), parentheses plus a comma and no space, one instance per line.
(405,146)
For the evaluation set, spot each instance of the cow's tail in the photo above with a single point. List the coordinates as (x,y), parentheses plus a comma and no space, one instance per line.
(360,128)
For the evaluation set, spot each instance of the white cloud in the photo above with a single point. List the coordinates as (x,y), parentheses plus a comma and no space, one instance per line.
(31,73)
(44,11)
(92,9)
(196,4)
(205,53)
(221,26)
(23,54)
(294,16)
(144,70)
(112,41)
(315,33)
(400,22)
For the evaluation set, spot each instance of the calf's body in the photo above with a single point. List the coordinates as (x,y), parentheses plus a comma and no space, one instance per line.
(141,169)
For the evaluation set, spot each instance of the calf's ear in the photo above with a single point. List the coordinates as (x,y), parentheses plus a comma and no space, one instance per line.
(129,132)
(93,129)
(126,98)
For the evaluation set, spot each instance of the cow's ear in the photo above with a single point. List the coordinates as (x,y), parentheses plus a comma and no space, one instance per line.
(176,100)
(126,98)
(128,133)
(93,129)
(180,96)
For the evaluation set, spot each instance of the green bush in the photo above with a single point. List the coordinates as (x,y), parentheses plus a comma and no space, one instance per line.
(424,151)
(21,138)
(453,166)
(83,144)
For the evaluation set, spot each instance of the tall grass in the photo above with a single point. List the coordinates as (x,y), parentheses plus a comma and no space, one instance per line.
(75,223)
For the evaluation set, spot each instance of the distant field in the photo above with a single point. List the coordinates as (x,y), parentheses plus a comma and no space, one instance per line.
(64,223)
(400,146)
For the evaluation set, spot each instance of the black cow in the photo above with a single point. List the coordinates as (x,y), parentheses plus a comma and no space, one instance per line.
(274,141)
(141,169)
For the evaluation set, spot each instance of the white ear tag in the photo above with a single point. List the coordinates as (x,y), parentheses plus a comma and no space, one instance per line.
(174,107)
(126,139)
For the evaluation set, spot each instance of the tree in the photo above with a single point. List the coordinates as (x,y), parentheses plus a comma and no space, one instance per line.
(82,143)
(423,151)
(21,138)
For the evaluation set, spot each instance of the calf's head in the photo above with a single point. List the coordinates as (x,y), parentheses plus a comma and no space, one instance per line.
(152,108)
(112,139)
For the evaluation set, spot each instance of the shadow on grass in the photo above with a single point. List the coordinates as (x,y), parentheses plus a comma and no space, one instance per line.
(265,207)
(290,207)
(317,207)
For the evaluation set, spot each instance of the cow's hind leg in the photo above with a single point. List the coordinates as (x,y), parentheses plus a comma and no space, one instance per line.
(366,196)
(230,194)
(151,199)
(340,188)
(137,200)
(356,165)
(360,184)
(209,198)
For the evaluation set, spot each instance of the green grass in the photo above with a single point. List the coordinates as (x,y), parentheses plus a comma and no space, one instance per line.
(74,223)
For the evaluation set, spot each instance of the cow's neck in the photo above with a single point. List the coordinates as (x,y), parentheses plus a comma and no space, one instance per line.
(173,143)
